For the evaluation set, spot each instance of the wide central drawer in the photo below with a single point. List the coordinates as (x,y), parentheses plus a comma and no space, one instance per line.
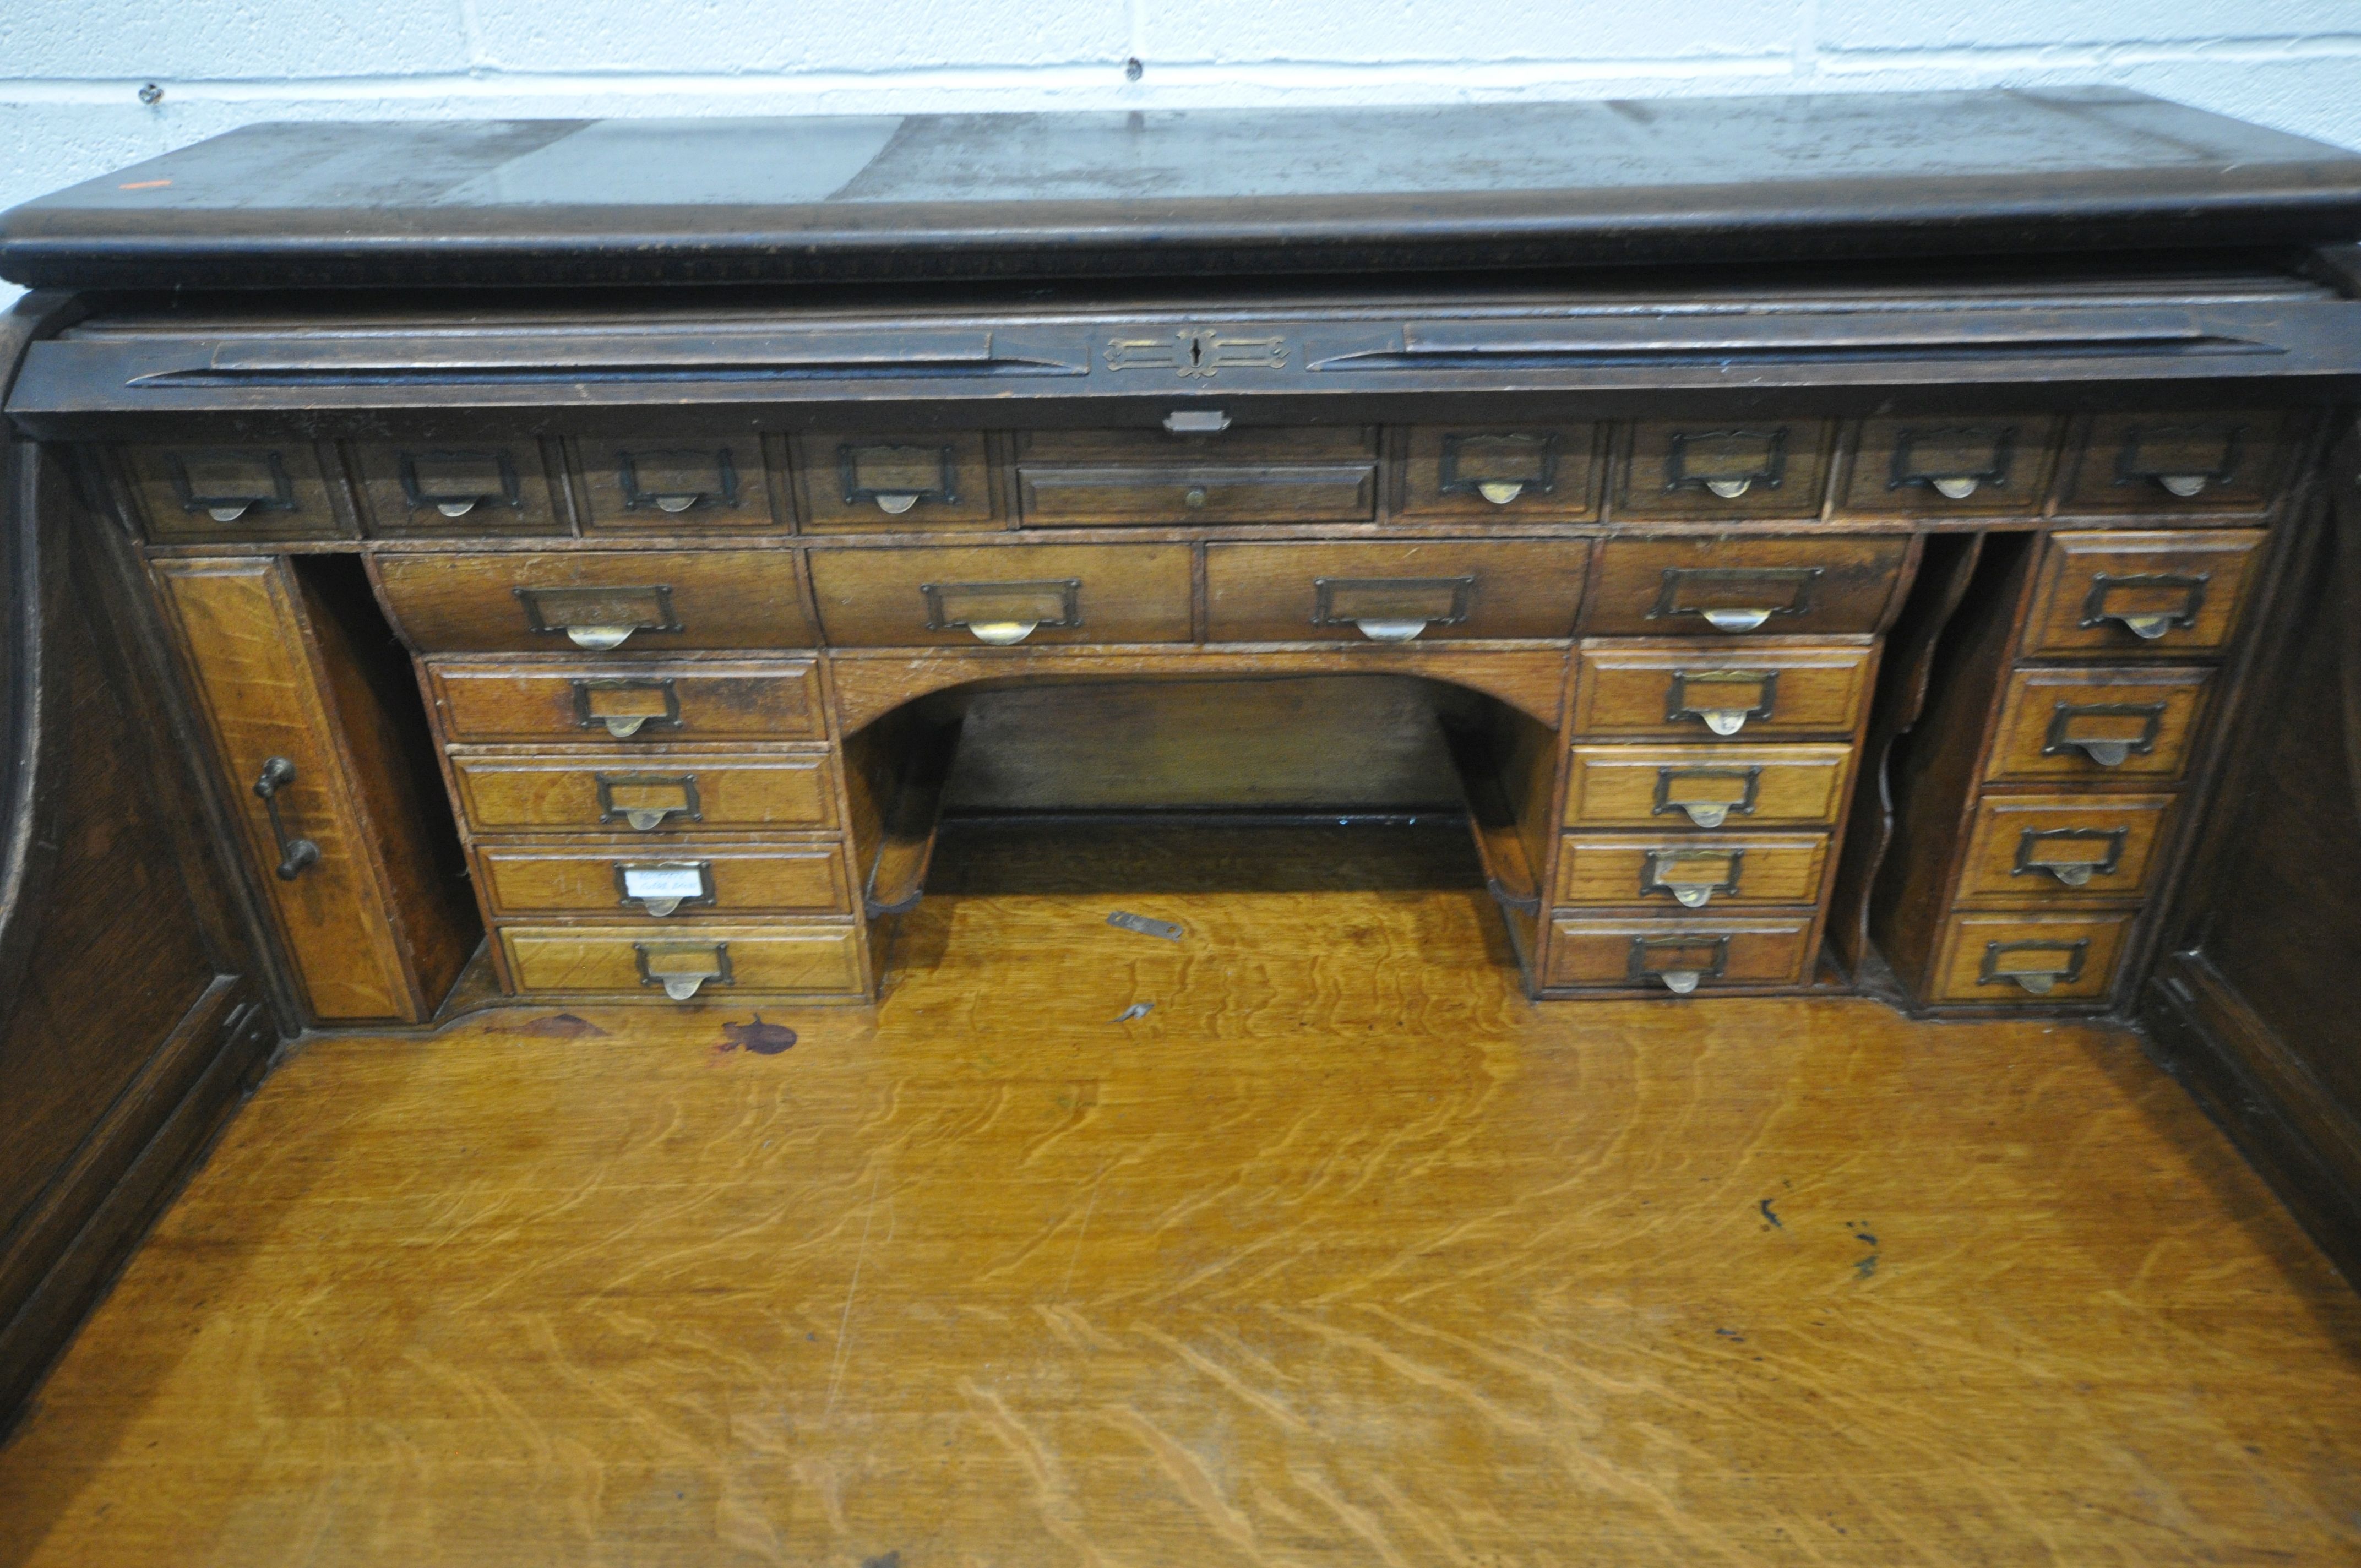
(1000,595)
(656,794)
(1706,786)
(1393,592)
(677,701)
(1113,477)
(544,601)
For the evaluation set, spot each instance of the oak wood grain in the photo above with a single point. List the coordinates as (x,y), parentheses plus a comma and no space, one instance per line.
(1340,1244)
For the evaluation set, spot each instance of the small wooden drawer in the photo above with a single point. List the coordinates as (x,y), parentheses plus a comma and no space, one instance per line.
(1691,871)
(1770,689)
(1938,466)
(2228,460)
(1678,955)
(2163,595)
(709,963)
(675,484)
(1496,473)
(1708,587)
(2063,850)
(1742,787)
(1004,593)
(676,791)
(2098,724)
(725,881)
(456,487)
(2029,959)
(1392,593)
(1238,446)
(233,493)
(1724,468)
(562,600)
(488,704)
(889,481)
(1196,493)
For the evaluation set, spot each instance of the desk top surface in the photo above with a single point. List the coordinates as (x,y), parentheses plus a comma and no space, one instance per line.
(1184,191)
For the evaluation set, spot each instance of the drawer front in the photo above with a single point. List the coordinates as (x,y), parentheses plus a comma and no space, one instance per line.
(675,484)
(2158,595)
(491,704)
(1247,444)
(1679,956)
(1491,473)
(1693,871)
(2063,850)
(1971,466)
(713,963)
(711,880)
(1729,469)
(1179,491)
(456,487)
(2099,724)
(559,601)
(1707,787)
(1001,595)
(1768,689)
(656,794)
(886,482)
(1710,587)
(2162,463)
(231,493)
(2029,959)
(1393,592)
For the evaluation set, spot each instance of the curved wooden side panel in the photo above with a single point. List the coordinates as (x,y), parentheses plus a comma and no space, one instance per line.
(131,1016)
(2254,1005)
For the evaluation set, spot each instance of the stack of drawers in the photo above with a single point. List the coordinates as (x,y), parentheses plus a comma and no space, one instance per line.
(1713,759)
(651,813)
(2110,646)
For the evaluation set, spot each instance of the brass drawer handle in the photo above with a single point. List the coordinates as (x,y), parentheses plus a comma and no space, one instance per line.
(1723,700)
(1001,614)
(1499,467)
(1391,609)
(2039,849)
(226,486)
(1691,876)
(2108,733)
(2185,460)
(1196,421)
(456,483)
(899,477)
(674,480)
(2148,606)
(599,619)
(663,887)
(294,854)
(1706,795)
(648,801)
(1679,962)
(2035,967)
(1194,497)
(625,708)
(1728,462)
(683,968)
(1955,462)
(1735,599)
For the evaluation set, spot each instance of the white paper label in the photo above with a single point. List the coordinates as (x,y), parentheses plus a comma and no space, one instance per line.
(663,882)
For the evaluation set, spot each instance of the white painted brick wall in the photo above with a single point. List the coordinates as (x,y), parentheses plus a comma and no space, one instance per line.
(70,70)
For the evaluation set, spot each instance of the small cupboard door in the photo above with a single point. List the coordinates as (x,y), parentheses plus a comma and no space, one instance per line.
(368,934)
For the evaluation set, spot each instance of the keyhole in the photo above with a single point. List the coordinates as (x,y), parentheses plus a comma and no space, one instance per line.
(1196,351)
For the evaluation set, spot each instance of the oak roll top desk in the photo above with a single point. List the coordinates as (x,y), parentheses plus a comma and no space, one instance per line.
(1821,543)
